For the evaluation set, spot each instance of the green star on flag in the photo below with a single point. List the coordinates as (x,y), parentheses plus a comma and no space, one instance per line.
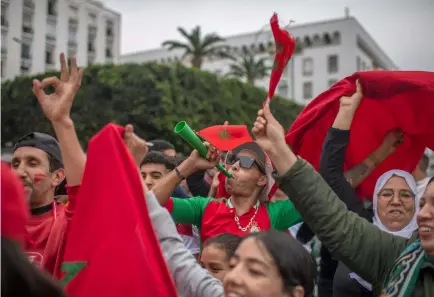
(224,134)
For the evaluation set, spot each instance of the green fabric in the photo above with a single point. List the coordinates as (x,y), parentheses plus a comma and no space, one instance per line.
(404,275)
(190,210)
(71,269)
(282,214)
(360,245)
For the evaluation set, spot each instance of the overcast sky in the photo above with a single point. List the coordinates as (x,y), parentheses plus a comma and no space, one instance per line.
(403,28)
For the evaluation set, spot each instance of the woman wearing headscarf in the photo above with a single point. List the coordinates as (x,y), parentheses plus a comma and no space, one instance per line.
(395,266)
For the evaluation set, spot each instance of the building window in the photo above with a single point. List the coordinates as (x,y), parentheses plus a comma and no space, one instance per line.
(363,66)
(109,29)
(333,64)
(332,82)
(49,58)
(307,90)
(25,51)
(4,43)
(359,63)
(108,53)
(90,47)
(51,9)
(307,66)
(3,68)
(282,90)
(24,70)
(51,30)
(336,37)
(4,15)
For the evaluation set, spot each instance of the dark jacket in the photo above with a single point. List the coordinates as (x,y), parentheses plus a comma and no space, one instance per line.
(332,170)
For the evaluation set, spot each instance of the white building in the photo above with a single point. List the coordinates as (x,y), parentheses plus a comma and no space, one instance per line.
(35,32)
(331,50)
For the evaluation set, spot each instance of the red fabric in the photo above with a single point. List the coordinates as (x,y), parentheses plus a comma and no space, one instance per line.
(392,99)
(56,242)
(285,45)
(218,218)
(226,138)
(14,209)
(41,229)
(112,249)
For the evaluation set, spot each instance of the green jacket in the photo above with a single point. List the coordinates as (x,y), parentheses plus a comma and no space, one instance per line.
(360,245)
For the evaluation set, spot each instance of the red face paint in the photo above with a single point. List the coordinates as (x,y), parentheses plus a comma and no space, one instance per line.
(38,177)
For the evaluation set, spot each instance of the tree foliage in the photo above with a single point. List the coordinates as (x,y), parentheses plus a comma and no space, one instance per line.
(250,67)
(197,47)
(152,97)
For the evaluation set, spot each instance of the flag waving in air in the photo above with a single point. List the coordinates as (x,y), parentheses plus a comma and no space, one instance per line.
(392,100)
(111,248)
(285,45)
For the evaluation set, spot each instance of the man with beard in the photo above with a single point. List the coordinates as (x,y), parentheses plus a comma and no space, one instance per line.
(39,161)
(247,210)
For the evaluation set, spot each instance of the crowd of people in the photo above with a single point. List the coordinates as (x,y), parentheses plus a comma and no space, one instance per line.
(245,236)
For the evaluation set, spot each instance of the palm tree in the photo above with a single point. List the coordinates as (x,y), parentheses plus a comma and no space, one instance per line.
(198,47)
(250,67)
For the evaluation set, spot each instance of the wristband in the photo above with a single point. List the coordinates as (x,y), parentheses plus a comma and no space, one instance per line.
(179,173)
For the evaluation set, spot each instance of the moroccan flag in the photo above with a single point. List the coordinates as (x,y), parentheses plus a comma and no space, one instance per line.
(111,248)
(392,100)
(226,138)
(285,45)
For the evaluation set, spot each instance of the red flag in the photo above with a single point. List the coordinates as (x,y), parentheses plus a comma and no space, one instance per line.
(14,207)
(285,45)
(111,248)
(226,138)
(392,99)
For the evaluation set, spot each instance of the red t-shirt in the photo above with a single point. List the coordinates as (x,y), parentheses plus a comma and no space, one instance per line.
(45,236)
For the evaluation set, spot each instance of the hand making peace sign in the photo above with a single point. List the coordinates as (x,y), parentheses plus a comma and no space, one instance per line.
(57,106)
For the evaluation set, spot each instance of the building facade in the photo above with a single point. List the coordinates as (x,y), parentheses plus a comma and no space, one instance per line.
(35,32)
(330,51)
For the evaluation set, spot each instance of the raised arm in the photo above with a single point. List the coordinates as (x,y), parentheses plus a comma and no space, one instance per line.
(57,108)
(344,233)
(189,277)
(192,164)
(333,155)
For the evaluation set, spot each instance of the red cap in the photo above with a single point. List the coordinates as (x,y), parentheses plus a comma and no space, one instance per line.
(15,211)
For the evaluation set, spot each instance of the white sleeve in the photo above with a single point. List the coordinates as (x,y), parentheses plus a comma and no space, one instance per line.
(190,279)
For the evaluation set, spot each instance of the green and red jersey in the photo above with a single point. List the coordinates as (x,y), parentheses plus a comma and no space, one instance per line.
(216,216)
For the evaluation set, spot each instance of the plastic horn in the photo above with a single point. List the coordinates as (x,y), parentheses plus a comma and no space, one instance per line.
(184,130)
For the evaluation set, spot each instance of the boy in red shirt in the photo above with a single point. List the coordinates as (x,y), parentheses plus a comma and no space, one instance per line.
(39,160)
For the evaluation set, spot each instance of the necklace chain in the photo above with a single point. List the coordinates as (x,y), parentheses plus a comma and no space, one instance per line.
(237,220)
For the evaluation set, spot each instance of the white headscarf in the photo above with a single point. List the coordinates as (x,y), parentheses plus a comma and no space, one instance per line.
(408,230)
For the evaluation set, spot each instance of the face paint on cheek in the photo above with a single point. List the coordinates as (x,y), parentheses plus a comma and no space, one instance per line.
(37,178)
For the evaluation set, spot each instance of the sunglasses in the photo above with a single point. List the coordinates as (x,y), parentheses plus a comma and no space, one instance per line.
(244,161)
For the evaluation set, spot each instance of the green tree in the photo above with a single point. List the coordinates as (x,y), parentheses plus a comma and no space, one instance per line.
(198,47)
(250,68)
(152,97)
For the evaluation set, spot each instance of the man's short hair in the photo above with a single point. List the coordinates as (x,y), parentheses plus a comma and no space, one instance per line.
(159,158)
(424,163)
(161,145)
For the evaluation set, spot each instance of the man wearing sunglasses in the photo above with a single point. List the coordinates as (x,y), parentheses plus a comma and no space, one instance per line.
(248,208)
